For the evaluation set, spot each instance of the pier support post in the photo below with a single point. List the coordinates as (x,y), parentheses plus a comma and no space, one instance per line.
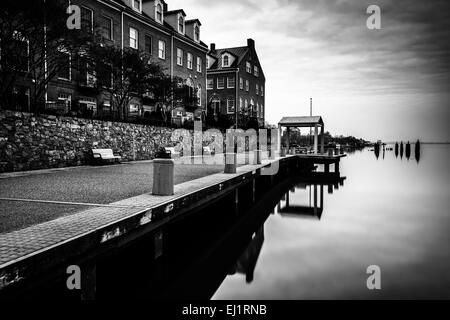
(163,183)
(327,167)
(257,157)
(88,280)
(230,162)
(322,140)
(336,167)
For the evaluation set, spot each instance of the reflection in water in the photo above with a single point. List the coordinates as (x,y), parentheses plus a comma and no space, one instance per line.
(286,208)
(417,151)
(396,149)
(247,261)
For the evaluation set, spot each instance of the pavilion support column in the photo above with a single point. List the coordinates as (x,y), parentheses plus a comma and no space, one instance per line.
(315,138)
(279,140)
(322,140)
(287,136)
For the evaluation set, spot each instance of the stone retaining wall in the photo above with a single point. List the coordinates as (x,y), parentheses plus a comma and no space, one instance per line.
(30,142)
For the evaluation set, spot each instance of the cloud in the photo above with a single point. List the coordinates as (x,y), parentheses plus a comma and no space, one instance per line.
(322,48)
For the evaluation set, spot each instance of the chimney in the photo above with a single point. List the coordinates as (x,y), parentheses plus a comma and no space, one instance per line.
(165,7)
(251,43)
(213,48)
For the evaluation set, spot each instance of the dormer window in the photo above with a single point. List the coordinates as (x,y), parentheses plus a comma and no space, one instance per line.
(181,24)
(226,61)
(137,5)
(197,33)
(159,12)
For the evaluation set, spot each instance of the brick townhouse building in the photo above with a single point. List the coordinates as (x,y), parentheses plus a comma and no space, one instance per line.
(236,84)
(172,41)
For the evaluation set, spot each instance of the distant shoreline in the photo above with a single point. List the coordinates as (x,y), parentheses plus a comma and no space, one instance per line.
(405,141)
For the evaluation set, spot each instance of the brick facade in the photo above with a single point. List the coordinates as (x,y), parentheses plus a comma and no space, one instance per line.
(218,97)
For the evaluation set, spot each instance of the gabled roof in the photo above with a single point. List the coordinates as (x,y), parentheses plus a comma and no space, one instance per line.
(301,121)
(193,21)
(238,52)
(171,12)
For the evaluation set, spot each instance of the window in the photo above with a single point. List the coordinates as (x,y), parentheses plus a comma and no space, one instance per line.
(257,90)
(262,91)
(21,49)
(134,38)
(148,44)
(210,84)
(63,69)
(207,63)
(189,60)
(248,67)
(137,4)
(256,71)
(181,24)
(107,26)
(246,105)
(179,57)
(220,83)
(247,86)
(159,12)
(257,109)
(199,64)
(231,82)
(226,61)
(162,49)
(230,105)
(87,20)
(241,104)
(197,33)
(106,77)
(262,111)
(199,95)
(241,83)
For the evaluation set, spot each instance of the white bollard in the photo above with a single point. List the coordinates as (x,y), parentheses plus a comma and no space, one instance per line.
(230,162)
(163,183)
(257,157)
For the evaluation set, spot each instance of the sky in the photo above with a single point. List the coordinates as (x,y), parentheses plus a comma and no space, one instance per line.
(390,84)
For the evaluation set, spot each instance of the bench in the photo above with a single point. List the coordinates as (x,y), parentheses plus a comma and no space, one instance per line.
(105,156)
(173,153)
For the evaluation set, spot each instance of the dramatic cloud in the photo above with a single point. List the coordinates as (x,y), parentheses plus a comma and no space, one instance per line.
(398,75)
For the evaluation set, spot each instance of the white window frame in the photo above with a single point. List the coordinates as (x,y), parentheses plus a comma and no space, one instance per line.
(248,67)
(256,71)
(210,84)
(190,61)
(196,38)
(241,104)
(65,51)
(161,49)
(199,95)
(228,106)
(241,83)
(232,85)
(136,39)
(247,85)
(180,16)
(257,89)
(262,91)
(199,64)
(158,3)
(180,57)
(140,5)
(223,83)
(111,27)
(92,17)
(225,65)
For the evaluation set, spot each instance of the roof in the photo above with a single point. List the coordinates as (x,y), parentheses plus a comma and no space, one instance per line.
(238,52)
(171,12)
(301,121)
(193,21)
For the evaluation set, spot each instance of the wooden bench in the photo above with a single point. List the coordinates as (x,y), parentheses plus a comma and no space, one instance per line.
(105,156)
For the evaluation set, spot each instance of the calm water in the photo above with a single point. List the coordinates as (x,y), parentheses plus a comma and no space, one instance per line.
(391,212)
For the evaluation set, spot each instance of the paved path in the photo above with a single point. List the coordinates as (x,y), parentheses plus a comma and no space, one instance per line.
(48,194)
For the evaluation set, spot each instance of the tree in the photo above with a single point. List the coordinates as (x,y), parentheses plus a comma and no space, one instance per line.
(124,74)
(36,46)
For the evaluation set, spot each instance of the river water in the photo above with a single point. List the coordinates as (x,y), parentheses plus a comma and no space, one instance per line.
(391,212)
